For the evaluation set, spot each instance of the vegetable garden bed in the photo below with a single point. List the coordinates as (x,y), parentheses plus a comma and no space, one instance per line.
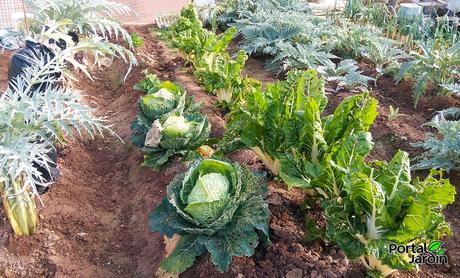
(94,223)
(98,218)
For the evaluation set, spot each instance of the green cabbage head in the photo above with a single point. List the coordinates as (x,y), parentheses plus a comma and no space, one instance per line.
(216,207)
(176,126)
(208,192)
(159,103)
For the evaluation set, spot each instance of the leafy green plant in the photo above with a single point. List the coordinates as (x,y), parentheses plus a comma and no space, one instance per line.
(442,150)
(137,39)
(301,56)
(168,123)
(197,44)
(453,88)
(383,53)
(283,126)
(380,205)
(434,66)
(223,77)
(214,67)
(350,39)
(216,207)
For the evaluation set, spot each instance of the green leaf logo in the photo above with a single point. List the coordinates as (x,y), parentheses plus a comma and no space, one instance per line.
(434,246)
(442,252)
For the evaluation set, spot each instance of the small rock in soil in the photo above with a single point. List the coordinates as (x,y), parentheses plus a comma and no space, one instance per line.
(311,258)
(295,273)
(320,264)
(344,262)
(329,274)
(314,274)
(281,232)
(8,273)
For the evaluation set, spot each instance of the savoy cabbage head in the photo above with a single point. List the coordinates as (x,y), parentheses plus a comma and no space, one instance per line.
(216,207)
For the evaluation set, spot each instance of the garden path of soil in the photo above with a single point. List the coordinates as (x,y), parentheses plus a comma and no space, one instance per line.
(94,223)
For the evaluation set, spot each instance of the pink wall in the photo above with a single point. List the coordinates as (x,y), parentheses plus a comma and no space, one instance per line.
(147,9)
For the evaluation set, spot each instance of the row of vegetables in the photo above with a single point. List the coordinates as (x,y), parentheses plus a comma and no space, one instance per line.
(218,206)
(425,51)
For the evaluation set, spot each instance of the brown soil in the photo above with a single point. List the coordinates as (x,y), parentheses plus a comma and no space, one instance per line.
(5,57)
(94,223)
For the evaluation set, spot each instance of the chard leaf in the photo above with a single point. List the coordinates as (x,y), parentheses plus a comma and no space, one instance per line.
(339,230)
(395,179)
(424,215)
(368,200)
(354,114)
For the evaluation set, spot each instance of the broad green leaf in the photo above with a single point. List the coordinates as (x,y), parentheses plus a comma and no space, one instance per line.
(187,249)
(223,247)
(354,114)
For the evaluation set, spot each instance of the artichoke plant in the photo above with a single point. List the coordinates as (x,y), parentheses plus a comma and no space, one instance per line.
(19,206)
(31,120)
(215,206)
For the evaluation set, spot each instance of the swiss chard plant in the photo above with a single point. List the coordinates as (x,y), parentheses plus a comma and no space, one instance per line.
(169,123)
(216,207)
(195,42)
(284,126)
(379,204)
(214,67)
(222,77)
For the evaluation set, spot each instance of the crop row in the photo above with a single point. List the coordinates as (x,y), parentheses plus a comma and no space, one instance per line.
(367,205)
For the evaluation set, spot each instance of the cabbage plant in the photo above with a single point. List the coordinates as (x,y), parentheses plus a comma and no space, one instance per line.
(174,134)
(160,98)
(168,123)
(216,207)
